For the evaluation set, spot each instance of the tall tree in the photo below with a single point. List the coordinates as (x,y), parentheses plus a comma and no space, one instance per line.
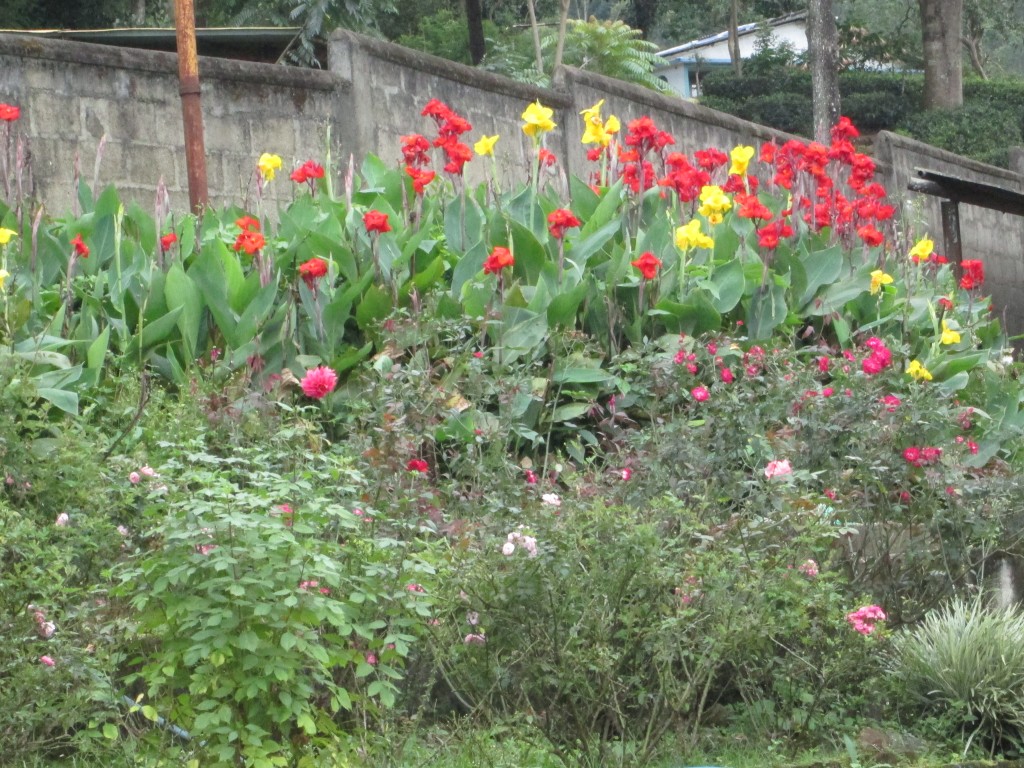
(823,52)
(734,36)
(941,23)
(475,27)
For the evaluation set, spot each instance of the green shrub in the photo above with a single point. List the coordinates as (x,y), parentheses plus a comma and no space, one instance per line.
(873,112)
(984,132)
(786,111)
(968,660)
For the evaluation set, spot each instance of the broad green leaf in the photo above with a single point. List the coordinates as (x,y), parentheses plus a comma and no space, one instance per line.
(729,281)
(821,268)
(374,307)
(463,225)
(182,292)
(61,398)
(767,310)
(97,351)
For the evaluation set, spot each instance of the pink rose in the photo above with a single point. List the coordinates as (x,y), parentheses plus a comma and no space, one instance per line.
(778,469)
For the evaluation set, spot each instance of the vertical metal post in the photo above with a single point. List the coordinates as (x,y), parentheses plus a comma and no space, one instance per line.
(191,112)
(951,234)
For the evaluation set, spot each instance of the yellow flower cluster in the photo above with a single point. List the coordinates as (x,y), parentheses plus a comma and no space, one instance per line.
(537,120)
(269,165)
(713,203)
(917,371)
(485,146)
(740,157)
(689,236)
(599,131)
(878,279)
(949,336)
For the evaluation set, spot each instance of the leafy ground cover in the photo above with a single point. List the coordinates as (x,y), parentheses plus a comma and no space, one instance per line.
(681,462)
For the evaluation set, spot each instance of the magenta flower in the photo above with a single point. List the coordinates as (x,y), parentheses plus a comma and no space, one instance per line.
(319,382)
(863,619)
(371,659)
(778,469)
(700,394)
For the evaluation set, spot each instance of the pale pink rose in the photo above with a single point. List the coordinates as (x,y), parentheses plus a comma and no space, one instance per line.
(552,499)
(473,639)
(778,469)
(134,478)
(123,530)
(47,661)
(45,629)
(473,618)
(148,471)
(62,520)
(508,548)
(809,568)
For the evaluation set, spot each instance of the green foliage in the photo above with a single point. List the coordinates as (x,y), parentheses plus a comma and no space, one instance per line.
(790,112)
(983,131)
(445,34)
(968,660)
(262,624)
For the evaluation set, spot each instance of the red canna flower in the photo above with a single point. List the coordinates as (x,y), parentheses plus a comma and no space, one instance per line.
(415,150)
(80,247)
(9,113)
(870,235)
(420,178)
(560,220)
(944,303)
(499,259)
(307,172)
(312,270)
(648,265)
(547,159)
(972,274)
(417,465)
(167,241)
(376,221)
(249,241)
(248,224)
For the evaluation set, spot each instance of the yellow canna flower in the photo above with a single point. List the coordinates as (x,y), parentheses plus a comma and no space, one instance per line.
(4,274)
(878,279)
(922,249)
(740,160)
(714,203)
(949,336)
(593,115)
(269,165)
(917,371)
(612,125)
(486,145)
(6,235)
(537,119)
(689,236)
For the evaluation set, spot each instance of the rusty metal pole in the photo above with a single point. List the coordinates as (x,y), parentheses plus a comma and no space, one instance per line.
(191,113)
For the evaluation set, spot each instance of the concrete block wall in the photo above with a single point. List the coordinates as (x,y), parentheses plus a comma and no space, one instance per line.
(75,96)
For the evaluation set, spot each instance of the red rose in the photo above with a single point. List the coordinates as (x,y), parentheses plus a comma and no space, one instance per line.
(417,465)
(9,113)
(376,221)
(80,247)
(648,265)
(167,241)
(560,220)
(498,260)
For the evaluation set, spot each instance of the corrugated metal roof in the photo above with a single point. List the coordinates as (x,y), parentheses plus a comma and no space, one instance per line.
(743,29)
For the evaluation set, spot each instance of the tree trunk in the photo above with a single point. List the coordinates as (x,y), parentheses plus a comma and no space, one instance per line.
(941,21)
(536,36)
(475,25)
(560,48)
(139,16)
(734,37)
(645,14)
(823,51)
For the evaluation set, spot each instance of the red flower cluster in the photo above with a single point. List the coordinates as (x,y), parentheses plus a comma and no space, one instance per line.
(687,180)
(750,207)
(560,220)
(499,259)
(415,152)
(9,113)
(972,274)
(80,247)
(250,239)
(312,270)
(167,241)
(648,265)
(546,157)
(920,457)
(879,359)
(645,136)
(376,221)
(308,172)
(768,236)
(450,126)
